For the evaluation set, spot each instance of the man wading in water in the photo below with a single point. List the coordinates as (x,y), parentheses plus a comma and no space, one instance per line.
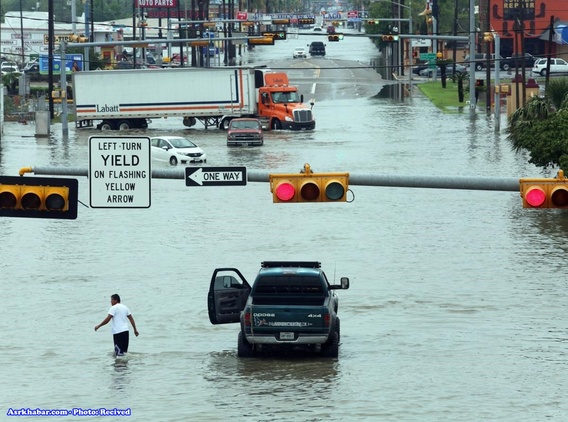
(119,314)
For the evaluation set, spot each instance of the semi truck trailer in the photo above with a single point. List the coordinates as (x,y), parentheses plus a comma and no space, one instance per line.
(128,99)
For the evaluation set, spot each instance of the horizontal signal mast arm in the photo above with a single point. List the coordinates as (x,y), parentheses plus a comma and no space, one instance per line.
(510,184)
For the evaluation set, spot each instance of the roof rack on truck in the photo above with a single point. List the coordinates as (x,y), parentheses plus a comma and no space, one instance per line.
(279,264)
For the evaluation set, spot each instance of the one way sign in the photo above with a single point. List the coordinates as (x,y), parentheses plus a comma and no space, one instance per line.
(215,176)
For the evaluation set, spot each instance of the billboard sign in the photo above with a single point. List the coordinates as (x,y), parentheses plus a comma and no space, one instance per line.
(69,59)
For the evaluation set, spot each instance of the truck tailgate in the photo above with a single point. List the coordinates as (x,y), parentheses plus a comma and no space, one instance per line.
(271,319)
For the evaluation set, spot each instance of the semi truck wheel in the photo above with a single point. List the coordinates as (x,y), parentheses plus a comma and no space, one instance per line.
(106,125)
(224,125)
(275,124)
(189,121)
(124,125)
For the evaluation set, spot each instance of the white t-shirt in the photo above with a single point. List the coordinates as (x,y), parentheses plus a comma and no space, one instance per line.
(119,321)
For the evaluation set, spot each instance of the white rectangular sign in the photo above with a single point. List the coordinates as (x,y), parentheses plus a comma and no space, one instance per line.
(421,42)
(120,172)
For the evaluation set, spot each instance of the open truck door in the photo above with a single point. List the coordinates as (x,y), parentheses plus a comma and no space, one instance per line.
(228,294)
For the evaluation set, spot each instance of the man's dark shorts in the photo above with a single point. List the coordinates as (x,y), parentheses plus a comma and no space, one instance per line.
(120,343)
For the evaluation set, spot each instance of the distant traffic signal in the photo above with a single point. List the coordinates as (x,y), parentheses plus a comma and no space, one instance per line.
(277,35)
(309,187)
(77,38)
(372,22)
(390,38)
(261,41)
(545,193)
(333,38)
(280,21)
(306,21)
(38,197)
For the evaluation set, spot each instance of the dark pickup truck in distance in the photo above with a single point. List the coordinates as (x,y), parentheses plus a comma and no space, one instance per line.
(290,305)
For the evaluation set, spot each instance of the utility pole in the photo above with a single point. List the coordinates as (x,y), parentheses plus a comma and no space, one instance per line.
(51,38)
(486,28)
(496,95)
(472,34)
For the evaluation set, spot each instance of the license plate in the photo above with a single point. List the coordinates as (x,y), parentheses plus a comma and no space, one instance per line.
(286,336)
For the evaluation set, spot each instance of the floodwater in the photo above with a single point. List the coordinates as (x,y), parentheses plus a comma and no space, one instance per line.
(456,311)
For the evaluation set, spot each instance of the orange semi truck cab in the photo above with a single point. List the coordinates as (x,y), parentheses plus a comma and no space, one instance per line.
(282,106)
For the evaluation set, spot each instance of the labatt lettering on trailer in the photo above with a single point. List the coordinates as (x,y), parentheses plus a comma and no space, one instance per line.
(107,108)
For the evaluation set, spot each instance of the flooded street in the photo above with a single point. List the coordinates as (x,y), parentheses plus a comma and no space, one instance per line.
(456,310)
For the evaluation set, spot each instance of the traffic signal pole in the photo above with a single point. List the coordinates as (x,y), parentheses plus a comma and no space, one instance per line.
(505,184)
(305,186)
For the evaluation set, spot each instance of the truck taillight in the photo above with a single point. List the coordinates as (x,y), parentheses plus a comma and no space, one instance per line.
(326,320)
(247,319)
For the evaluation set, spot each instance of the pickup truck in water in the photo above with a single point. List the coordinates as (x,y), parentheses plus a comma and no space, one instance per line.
(290,305)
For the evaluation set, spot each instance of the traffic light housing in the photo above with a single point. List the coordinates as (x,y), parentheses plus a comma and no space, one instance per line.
(38,197)
(545,193)
(390,38)
(261,41)
(309,187)
(487,37)
(333,38)
(280,21)
(77,38)
(277,35)
(306,21)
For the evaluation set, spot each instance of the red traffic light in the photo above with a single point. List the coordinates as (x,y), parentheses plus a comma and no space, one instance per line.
(545,193)
(389,38)
(285,191)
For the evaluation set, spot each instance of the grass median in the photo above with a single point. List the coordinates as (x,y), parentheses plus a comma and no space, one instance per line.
(447,98)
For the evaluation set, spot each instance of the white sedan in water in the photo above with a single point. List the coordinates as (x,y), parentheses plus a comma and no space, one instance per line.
(176,149)
(300,53)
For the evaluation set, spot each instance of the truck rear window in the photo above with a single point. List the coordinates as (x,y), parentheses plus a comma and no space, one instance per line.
(289,290)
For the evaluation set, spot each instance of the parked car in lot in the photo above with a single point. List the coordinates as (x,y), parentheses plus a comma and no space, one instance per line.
(9,67)
(176,149)
(449,71)
(419,68)
(517,60)
(245,131)
(32,71)
(300,53)
(480,61)
(556,66)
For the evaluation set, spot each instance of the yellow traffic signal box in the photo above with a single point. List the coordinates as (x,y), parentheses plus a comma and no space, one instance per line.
(261,41)
(309,187)
(38,197)
(545,193)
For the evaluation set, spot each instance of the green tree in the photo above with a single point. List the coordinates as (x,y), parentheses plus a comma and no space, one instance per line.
(541,128)
(555,92)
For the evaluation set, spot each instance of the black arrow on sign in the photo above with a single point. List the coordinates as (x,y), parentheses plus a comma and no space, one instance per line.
(215,176)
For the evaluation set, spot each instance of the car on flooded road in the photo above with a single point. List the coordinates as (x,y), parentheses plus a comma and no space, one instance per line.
(176,150)
(245,131)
